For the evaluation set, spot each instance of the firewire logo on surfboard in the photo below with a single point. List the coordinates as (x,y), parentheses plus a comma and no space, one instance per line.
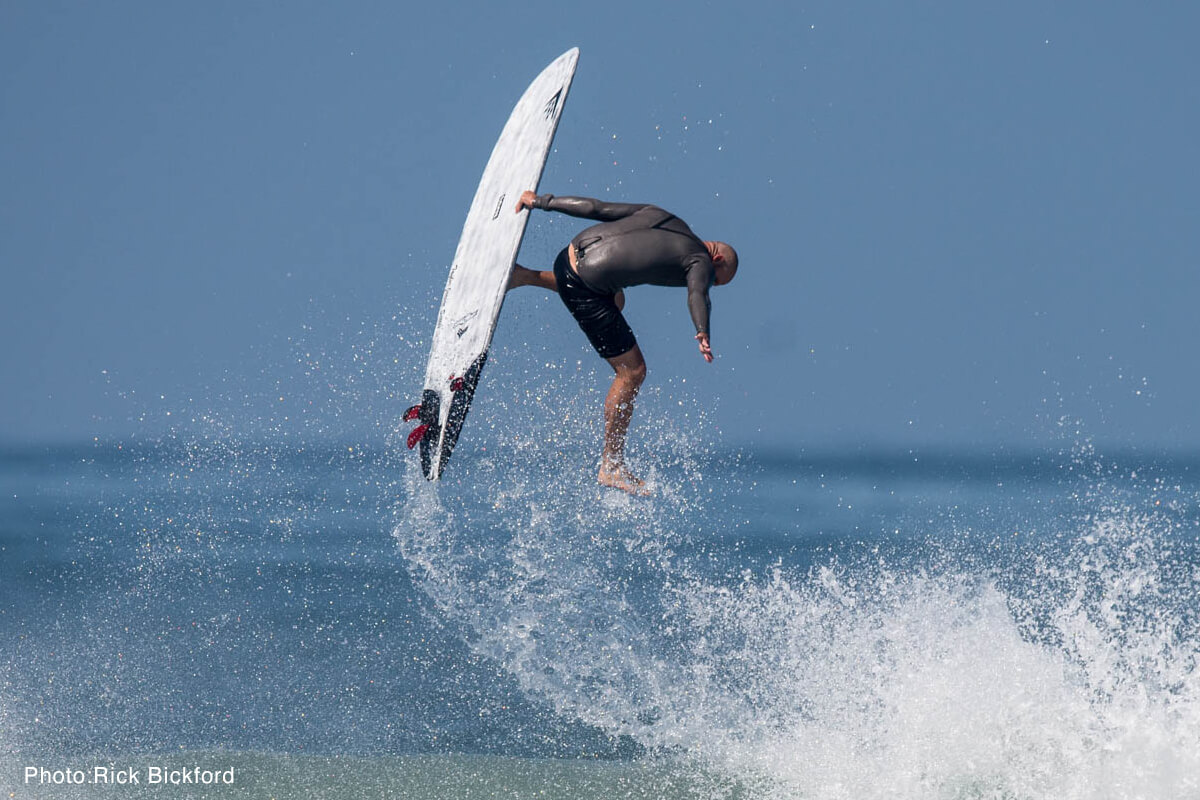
(462,324)
(552,105)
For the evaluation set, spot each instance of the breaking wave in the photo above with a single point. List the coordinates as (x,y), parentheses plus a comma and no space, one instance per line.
(1064,669)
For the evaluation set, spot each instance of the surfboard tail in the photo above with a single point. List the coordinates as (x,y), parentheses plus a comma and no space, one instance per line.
(439,443)
(429,428)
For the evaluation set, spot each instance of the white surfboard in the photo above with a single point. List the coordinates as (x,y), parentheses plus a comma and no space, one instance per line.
(483,261)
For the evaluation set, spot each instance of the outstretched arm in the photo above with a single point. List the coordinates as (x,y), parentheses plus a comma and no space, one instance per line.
(699,278)
(585,207)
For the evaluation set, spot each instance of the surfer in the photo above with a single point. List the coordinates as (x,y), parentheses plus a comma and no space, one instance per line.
(633,244)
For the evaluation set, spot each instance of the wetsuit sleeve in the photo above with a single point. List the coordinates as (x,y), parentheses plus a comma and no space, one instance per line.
(587,207)
(700,274)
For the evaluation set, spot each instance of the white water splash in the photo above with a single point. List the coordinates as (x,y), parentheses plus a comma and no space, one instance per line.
(1074,678)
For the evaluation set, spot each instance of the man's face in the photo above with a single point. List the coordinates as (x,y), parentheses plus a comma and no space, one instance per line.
(722,272)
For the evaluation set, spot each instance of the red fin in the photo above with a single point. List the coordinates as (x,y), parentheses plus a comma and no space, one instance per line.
(418,433)
(412,413)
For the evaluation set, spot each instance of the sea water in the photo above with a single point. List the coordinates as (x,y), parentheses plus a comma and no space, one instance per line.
(313,618)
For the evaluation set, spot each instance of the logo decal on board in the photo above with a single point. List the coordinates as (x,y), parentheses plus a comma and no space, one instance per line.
(499,205)
(463,324)
(552,105)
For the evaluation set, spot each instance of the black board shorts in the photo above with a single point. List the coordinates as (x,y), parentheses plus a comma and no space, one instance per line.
(596,313)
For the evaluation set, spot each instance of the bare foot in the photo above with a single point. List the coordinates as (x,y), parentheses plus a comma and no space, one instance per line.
(621,478)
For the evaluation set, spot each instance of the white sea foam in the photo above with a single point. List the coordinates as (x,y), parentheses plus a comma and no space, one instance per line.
(1071,674)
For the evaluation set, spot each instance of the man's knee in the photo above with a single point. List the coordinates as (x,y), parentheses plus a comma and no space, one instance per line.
(634,372)
(630,366)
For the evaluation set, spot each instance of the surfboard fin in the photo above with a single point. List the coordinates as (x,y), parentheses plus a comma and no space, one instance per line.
(418,433)
(412,413)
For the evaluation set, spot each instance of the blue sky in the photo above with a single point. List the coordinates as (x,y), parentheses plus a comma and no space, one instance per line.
(960,224)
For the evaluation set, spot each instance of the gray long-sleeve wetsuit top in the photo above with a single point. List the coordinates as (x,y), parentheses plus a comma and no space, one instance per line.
(638,244)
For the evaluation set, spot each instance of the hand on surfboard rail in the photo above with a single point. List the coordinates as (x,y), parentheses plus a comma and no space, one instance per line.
(525,201)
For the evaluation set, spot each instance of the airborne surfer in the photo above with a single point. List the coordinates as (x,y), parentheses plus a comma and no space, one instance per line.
(634,244)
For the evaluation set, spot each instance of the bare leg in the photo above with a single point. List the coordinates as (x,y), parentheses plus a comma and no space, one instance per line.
(532,277)
(545,279)
(630,371)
